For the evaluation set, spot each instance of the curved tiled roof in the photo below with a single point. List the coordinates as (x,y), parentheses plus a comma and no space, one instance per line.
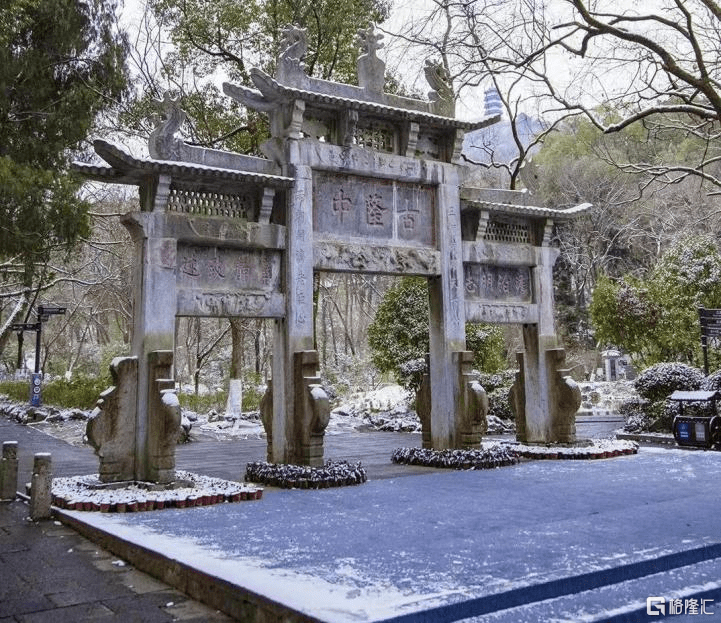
(275,91)
(526,210)
(124,168)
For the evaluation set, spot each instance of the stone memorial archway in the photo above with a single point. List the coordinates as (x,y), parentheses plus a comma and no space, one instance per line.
(355,180)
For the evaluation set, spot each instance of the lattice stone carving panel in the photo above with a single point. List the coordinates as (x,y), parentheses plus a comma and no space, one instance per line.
(508,230)
(377,136)
(212,204)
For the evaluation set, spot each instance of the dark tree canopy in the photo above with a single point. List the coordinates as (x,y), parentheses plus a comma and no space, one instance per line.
(227,38)
(62,62)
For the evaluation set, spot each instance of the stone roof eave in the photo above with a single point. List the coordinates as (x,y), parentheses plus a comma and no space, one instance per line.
(124,168)
(526,210)
(274,93)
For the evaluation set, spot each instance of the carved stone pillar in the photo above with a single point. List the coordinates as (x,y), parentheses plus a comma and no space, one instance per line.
(295,333)
(447,318)
(155,306)
(41,487)
(9,470)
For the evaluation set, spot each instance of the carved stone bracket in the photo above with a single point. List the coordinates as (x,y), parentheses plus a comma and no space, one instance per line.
(111,427)
(266,205)
(348,123)
(163,418)
(411,138)
(457,146)
(472,405)
(565,397)
(312,408)
(293,119)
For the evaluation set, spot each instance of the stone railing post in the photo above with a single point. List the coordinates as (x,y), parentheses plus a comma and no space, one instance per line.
(41,487)
(9,470)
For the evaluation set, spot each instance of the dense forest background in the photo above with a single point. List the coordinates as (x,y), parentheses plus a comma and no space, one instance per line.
(619,110)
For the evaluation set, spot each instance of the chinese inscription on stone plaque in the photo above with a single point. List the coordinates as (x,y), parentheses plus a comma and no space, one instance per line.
(381,210)
(497,283)
(201,267)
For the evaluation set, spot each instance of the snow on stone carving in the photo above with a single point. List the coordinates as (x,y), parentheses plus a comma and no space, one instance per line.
(294,46)
(441,96)
(371,69)
(162,144)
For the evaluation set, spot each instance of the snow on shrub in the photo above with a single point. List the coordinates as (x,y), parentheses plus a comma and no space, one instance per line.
(659,381)
(712,382)
(491,382)
(499,405)
(487,457)
(331,474)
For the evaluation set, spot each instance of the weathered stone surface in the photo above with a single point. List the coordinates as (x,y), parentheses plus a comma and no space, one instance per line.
(41,487)
(368,258)
(472,404)
(111,427)
(163,419)
(9,470)
(375,209)
(312,409)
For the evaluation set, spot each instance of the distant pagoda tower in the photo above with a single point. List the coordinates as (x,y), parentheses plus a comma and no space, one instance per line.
(492,102)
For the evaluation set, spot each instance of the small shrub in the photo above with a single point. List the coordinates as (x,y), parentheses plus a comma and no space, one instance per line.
(252,395)
(712,382)
(659,381)
(81,391)
(499,405)
(18,391)
(202,403)
(410,373)
(491,382)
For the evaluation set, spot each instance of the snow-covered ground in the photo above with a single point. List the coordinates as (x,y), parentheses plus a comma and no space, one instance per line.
(388,408)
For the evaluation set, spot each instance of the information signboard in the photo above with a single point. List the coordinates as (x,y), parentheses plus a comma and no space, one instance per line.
(36,382)
(710,320)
